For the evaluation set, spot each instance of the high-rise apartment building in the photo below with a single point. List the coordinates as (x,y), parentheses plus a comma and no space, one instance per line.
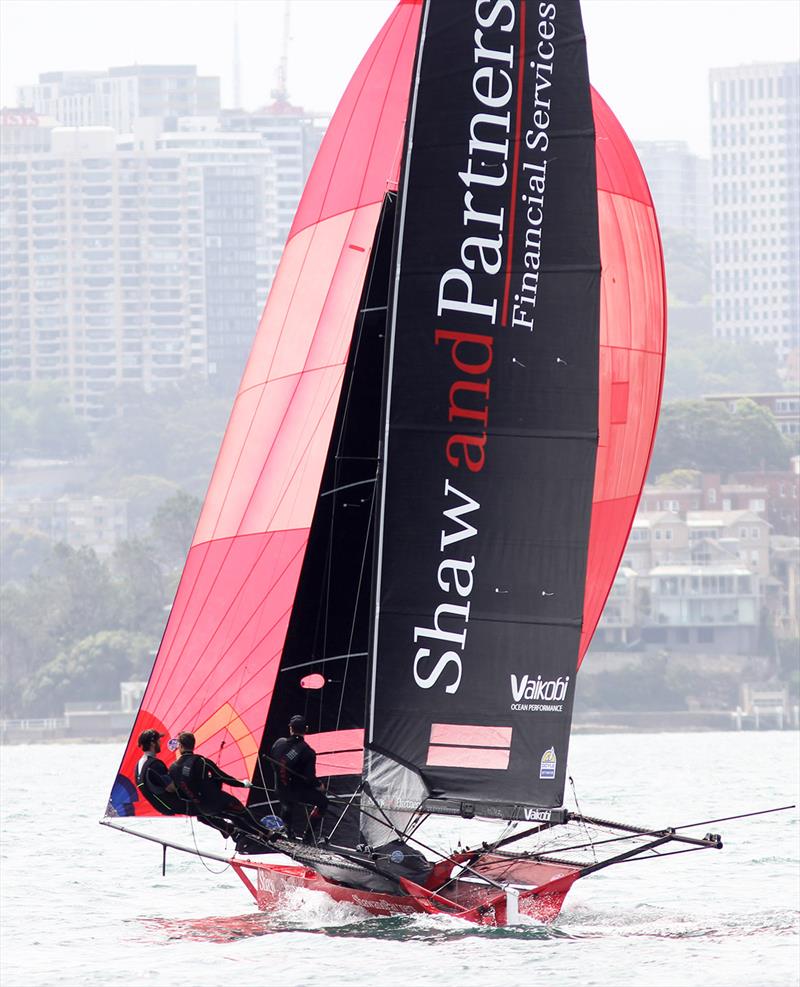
(134,261)
(25,132)
(119,96)
(240,229)
(755,166)
(680,183)
(293,136)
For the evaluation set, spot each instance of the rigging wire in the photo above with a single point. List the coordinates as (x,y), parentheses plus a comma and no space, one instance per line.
(200,854)
(585,827)
(355,606)
(323,613)
(338,460)
(655,854)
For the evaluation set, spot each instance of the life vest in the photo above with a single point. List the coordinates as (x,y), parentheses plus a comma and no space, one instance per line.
(165,802)
(291,757)
(190,782)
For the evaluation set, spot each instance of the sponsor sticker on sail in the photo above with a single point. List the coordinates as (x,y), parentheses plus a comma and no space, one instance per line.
(538,695)
(547,766)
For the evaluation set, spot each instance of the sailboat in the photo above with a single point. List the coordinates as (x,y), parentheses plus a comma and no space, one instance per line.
(429,476)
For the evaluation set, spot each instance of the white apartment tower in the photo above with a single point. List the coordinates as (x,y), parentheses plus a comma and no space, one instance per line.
(118,96)
(132,261)
(755,167)
(680,183)
(293,135)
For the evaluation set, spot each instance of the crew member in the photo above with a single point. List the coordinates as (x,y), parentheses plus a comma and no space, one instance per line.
(152,776)
(295,764)
(199,782)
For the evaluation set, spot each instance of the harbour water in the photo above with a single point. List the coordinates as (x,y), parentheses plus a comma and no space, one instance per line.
(82,904)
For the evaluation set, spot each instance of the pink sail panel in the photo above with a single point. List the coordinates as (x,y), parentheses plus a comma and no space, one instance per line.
(215,670)
(633,323)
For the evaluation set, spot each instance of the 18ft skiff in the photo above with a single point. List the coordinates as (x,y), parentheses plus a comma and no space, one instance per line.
(429,475)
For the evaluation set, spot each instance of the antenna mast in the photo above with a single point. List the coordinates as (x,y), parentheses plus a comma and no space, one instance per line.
(237,63)
(281,92)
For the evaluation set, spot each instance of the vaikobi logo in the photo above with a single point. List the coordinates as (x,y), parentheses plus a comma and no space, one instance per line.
(538,695)
(547,766)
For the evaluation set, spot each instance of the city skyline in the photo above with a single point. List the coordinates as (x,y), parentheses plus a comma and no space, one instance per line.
(669,100)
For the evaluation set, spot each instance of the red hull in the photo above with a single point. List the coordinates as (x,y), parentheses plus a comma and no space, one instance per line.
(478,903)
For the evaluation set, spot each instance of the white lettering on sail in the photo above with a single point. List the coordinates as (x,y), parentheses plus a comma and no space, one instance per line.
(488,149)
(449,621)
(490,18)
(535,691)
(454,513)
(537,142)
(431,679)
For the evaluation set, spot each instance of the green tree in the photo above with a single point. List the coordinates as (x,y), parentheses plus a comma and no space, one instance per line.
(37,420)
(65,599)
(21,553)
(172,526)
(26,641)
(703,435)
(688,267)
(139,587)
(171,434)
(698,365)
(90,669)
(679,479)
(84,598)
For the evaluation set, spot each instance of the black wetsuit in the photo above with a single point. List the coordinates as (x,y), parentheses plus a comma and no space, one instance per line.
(199,781)
(152,779)
(295,767)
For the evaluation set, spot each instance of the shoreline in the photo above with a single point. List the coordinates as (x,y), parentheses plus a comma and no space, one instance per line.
(585,722)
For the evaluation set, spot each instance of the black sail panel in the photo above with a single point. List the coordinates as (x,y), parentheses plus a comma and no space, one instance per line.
(491,406)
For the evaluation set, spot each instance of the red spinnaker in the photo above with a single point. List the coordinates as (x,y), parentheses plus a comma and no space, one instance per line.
(633,326)
(215,669)
(216,666)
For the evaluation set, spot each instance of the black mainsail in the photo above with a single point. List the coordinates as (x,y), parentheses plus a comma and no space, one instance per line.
(491,408)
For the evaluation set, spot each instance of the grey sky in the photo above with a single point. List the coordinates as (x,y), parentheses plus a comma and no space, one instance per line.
(648,58)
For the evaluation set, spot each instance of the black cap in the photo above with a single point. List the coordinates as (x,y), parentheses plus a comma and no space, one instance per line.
(147,737)
(298,724)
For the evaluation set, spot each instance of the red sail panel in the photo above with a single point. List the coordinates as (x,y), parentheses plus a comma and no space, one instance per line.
(216,666)
(633,324)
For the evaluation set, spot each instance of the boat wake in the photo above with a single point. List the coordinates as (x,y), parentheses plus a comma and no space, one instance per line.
(307,911)
(312,912)
(651,922)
